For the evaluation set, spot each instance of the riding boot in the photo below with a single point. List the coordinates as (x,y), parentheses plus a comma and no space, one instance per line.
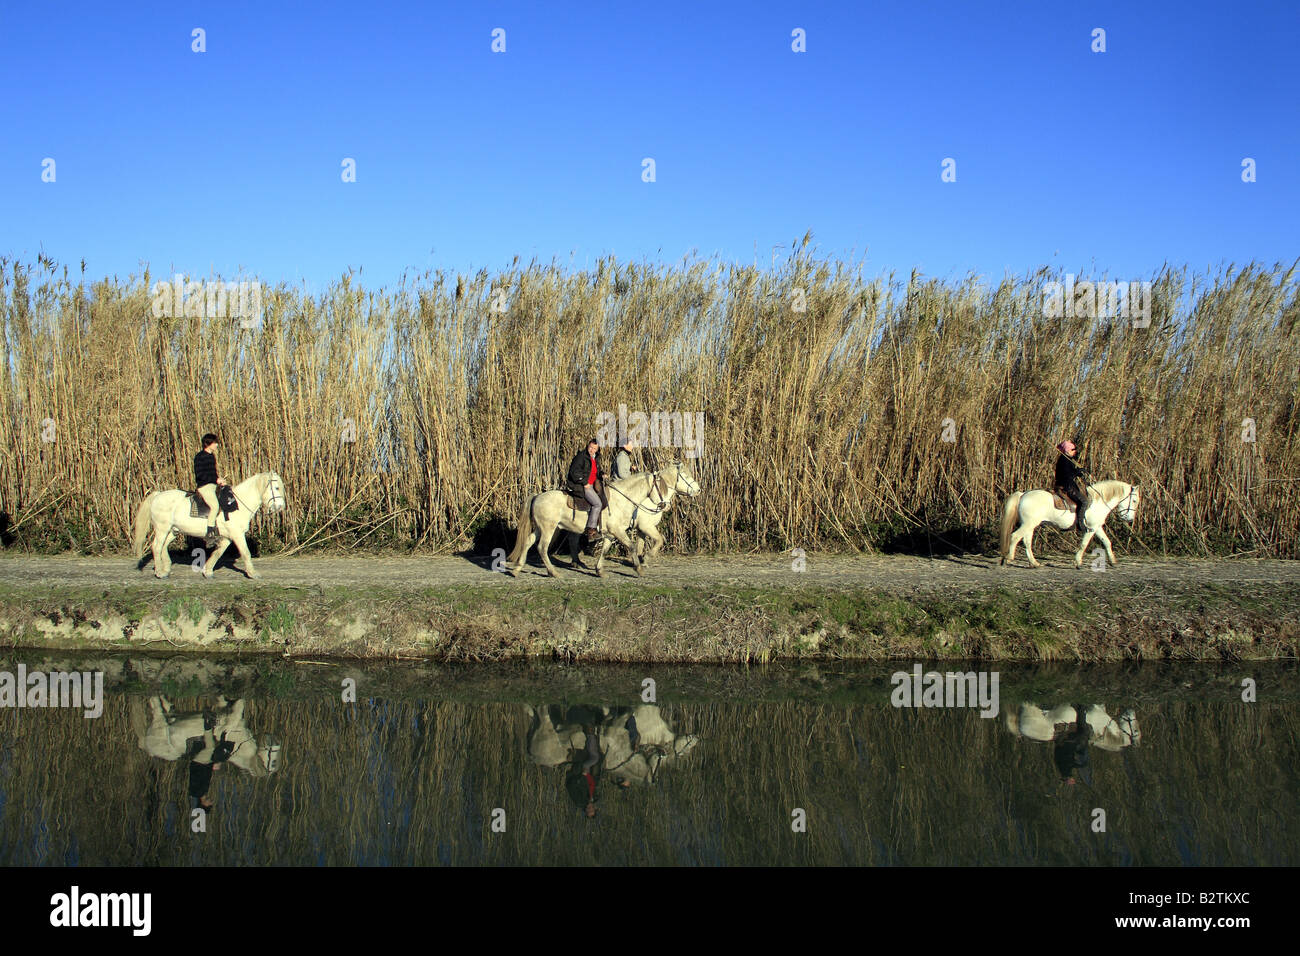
(212,539)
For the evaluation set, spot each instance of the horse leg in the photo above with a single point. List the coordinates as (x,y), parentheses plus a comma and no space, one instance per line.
(216,556)
(523,557)
(600,555)
(1083,546)
(242,545)
(544,536)
(1029,548)
(1010,556)
(575,552)
(628,543)
(1105,540)
(656,544)
(162,562)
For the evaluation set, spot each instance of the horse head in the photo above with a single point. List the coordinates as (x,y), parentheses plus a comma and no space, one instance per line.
(268,754)
(273,498)
(685,482)
(1128,505)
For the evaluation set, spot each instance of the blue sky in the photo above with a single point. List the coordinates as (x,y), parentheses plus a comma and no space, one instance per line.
(209,163)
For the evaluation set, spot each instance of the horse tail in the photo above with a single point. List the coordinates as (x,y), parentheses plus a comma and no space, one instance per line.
(525,529)
(1009,516)
(142,522)
(1011,720)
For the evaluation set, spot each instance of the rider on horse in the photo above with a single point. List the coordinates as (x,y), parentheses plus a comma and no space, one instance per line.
(586,474)
(1068,478)
(206,481)
(623,466)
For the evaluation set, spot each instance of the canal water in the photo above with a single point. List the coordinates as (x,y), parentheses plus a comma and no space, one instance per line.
(342,763)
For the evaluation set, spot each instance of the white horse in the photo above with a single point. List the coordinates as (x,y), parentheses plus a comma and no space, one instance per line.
(1026,510)
(550,745)
(647,519)
(166,734)
(544,514)
(1108,733)
(169,511)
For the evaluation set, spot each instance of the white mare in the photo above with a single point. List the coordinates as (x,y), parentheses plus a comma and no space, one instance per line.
(166,734)
(551,744)
(1024,511)
(551,511)
(168,512)
(1108,733)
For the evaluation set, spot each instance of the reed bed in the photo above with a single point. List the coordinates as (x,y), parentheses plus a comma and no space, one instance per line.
(421,415)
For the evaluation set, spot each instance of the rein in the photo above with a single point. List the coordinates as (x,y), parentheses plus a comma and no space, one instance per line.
(252,511)
(654,487)
(1110,508)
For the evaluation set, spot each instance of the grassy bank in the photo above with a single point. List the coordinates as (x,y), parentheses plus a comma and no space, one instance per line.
(687,624)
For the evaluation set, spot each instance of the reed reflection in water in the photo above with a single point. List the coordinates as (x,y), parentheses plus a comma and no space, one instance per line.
(417,782)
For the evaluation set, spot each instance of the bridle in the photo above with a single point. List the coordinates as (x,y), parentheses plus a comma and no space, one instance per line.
(1121,503)
(1124,501)
(271,484)
(661,504)
(275,496)
(655,752)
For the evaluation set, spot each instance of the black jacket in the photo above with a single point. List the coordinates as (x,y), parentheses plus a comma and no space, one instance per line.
(205,469)
(1068,473)
(581,468)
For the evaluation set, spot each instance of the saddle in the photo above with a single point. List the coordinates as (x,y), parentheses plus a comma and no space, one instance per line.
(226,501)
(1062,503)
(578,500)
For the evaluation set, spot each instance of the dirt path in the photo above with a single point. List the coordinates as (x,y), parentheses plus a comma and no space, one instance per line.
(892,573)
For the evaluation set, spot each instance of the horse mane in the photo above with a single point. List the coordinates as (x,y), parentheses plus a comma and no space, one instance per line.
(1111,489)
(649,475)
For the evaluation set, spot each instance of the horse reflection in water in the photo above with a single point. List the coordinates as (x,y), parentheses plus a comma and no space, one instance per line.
(627,745)
(1072,729)
(207,739)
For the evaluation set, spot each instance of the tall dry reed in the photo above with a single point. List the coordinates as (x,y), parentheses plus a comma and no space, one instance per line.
(824,427)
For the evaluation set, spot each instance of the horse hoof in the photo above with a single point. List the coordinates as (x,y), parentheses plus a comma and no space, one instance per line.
(209,575)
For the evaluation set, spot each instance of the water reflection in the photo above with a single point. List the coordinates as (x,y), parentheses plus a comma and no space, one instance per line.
(208,739)
(1072,729)
(619,745)
(419,767)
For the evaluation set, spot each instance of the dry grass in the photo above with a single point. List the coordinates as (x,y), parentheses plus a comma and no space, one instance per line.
(823,427)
